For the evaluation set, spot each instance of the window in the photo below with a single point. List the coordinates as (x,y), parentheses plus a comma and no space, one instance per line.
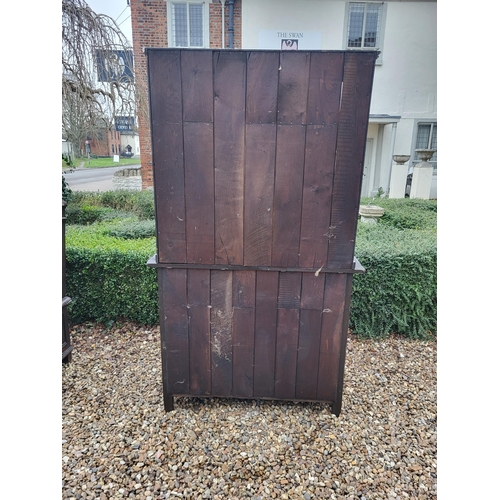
(426,139)
(187,24)
(364,25)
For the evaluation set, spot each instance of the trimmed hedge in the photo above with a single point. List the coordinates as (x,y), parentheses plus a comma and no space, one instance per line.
(398,292)
(108,279)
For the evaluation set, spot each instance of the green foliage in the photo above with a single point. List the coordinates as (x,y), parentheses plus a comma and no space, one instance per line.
(107,278)
(133,229)
(398,292)
(88,214)
(66,191)
(140,203)
(407,213)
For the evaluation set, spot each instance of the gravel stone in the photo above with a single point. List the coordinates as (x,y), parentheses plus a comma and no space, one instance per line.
(118,442)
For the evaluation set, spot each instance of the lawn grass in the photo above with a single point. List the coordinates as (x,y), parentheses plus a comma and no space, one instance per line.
(101,162)
(107,162)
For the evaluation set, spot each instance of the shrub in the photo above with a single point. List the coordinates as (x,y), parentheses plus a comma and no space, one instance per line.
(88,214)
(133,229)
(140,203)
(107,278)
(407,213)
(398,292)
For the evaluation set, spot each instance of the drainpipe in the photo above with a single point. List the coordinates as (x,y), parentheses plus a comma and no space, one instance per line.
(231,23)
(223,3)
(393,142)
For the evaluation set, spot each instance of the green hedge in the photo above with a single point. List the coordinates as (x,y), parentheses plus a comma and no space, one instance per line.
(398,292)
(107,277)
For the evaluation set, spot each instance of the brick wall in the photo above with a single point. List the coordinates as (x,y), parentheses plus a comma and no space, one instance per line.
(149,29)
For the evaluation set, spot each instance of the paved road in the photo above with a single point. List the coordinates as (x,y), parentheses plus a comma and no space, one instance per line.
(93,179)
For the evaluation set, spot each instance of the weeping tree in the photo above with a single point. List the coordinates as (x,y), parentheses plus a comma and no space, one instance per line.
(97,78)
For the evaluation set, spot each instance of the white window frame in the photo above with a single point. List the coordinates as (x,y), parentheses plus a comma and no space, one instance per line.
(414,158)
(381,32)
(206,25)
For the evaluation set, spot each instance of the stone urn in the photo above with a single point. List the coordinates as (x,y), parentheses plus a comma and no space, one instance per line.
(370,213)
(425,155)
(401,159)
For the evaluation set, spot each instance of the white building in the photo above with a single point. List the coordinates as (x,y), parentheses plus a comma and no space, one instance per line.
(403,114)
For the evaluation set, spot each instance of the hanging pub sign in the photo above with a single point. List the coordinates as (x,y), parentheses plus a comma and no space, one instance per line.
(114,65)
(124,124)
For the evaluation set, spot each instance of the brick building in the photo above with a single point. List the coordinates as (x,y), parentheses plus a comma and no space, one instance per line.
(403,110)
(162,23)
(106,143)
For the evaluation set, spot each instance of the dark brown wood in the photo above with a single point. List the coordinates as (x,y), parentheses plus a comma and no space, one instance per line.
(176,338)
(259,193)
(198,290)
(266,302)
(229,129)
(199,178)
(293,87)
(287,208)
(221,338)
(351,141)
(317,195)
(197,86)
(261,100)
(257,168)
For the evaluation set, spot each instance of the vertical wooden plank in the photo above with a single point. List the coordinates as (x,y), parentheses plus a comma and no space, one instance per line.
(286,353)
(199,331)
(331,335)
(176,336)
(293,87)
(199,179)
(289,291)
(168,160)
(197,85)
(325,85)
(312,291)
(229,136)
(308,354)
(266,302)
(244,288)
(169,193)
(287,334)
(351,141)
(317,195)
(290,146)
(259,192)
(262,87)
(164,88)
(221,319)
(243,332)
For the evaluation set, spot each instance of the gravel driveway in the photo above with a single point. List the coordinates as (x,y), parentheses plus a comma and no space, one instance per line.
(119,443)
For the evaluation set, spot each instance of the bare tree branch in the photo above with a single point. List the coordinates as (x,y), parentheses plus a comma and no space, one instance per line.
(97,81)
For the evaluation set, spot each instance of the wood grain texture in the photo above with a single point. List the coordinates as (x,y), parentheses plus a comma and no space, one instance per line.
(197,86)
(176,335)
(199,188)
(287,209)
(293,87)
(169,193)
(229,135)
(199,331)
(317,195)
(259,194)
(351,142)
(221,337)
(266,302)
(262,100)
